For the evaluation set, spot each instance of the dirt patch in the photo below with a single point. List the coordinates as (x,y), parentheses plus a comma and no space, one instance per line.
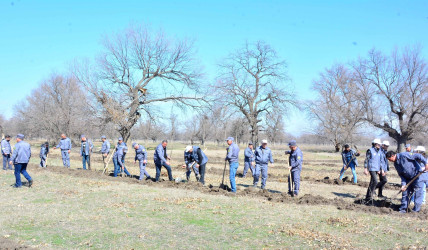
(377,207)
(6,243)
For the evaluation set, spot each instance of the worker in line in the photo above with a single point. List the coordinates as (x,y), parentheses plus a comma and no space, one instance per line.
(295,162)
(105,149)
(373,166)
(249,160)
(85,151)
(141,156)
(189,164)
(408,167)
(349,159)
(263,155)
(6,151)
(232,157)
(44,151)
(20,158)
(65,146)
(200,159)
(161,159)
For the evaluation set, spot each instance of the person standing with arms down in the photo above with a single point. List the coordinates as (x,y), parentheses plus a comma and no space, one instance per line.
(232,157)
(20,158)
(263,155)
(161,159)
(141,156)
(349,158)
(85,151)
(65,146)
(249,160)
(105,149)
(6,151)
(295,162)
(373,166)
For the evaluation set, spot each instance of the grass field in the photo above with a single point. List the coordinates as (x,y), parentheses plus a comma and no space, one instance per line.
(83,209)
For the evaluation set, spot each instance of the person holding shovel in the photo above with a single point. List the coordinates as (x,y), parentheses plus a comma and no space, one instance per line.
(295,162)
(263,155)
(232,157)
(141,156)
(65,146)
(119,160)
(200,159)
(412,170)
(161,159)
(349,159)
(85,151)
(189,164)
(44,151)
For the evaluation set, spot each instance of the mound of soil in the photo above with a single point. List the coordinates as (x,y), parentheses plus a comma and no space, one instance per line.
(9,244)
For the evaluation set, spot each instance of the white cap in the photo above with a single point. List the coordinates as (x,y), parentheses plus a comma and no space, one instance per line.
(420,148)
(386,143)
(377,141)
(264,141)
(188,148)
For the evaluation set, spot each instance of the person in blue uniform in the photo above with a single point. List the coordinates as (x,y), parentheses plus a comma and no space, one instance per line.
(20,158)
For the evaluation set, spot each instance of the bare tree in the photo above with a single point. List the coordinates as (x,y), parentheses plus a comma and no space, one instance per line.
(275,127)
(57,106)
(394,92)
(253,81)
(137,69)
(337,108)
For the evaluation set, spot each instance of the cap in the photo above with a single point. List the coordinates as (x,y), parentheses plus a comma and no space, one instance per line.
(386,143)
(346,145)
(250,143)
(20,136)
(133,144)
(120,139)
(376,141)
(407,146)
(264,141)
(420,148)
(7,136)
(103,137)
(188,148)
(292,143)
(230,139)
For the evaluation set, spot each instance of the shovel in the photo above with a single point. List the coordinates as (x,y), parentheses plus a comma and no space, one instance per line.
(224,171)
(408,184)
(108,161)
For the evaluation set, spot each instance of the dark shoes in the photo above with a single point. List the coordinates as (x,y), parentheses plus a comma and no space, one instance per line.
(15,186)
(30,183)
(197,178)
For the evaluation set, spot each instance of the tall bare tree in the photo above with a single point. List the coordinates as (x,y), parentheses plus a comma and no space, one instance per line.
(137,69)
(253,81)
(394,92)
(58,105)
(337,108)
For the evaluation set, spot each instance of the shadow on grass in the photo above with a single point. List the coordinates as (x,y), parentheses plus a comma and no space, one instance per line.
(345,195)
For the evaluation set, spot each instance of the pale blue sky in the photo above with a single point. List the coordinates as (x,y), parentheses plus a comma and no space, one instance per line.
(39,37)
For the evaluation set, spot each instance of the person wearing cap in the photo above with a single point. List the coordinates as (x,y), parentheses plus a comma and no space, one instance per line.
(141,156)
(349,159)
(249,160)
(189,164)
(263,155)
(373,166)
(44,151)
(408,167)
(85,151)
(105,149)
(385,146)
(408,148)
(20,158)
(161,159)
(6,151)
(295,162)
(65,146)
(200,160)
(232,157)
(119,160)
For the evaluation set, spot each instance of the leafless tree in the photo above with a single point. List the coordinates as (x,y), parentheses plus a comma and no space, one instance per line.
(337,108)
(138,69)
(394,92)
(275,127)
(57,106)
(253,81)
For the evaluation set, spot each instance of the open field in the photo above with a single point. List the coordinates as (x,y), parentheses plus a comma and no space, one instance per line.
(72,208)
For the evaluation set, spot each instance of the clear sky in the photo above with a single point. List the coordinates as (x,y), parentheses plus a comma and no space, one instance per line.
(40,37)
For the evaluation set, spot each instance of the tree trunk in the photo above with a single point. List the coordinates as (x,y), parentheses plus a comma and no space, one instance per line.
(255,134)
(401,142)
(125,133)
